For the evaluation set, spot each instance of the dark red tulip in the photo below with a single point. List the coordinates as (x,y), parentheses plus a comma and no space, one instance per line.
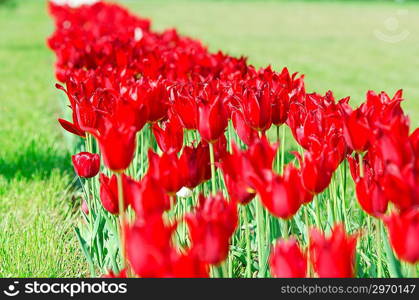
(287,260)
(211,226)
(154,96)
(333,256)
(212,120)
(86,164)
(403,231)
(260,156)
(195,163)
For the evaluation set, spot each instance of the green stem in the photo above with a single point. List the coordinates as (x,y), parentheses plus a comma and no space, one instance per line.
(285,229)
(212,161)
(260,239)
(283,150)
(248,245)
(121,217)
(361,166)
(379,248)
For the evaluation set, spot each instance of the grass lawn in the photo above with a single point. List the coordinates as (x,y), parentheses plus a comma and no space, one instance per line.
(334,44)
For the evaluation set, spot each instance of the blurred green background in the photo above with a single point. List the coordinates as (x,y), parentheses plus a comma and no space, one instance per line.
(346,46)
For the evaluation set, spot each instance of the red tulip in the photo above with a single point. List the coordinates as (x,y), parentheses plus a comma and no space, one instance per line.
(195,163)
(211,226)
(369,190)
(403,231)
(356,129)
(167,170)
(256,108)
(244,131)
(148,247)
(282,195)
(287,260)
(333,256)
(147,198)
(212,120)
(154,96)
(260,157)
(86,164)
(170,136)
(238,186)
(315,173)
(109,192)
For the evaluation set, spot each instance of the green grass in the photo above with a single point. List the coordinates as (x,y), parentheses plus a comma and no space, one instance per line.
(36,236)
(332,43)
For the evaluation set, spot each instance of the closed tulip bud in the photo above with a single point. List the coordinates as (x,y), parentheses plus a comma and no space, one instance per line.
(86,164)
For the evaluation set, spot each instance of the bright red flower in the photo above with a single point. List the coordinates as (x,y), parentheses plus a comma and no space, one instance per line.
(403,231)
(282,195)
(287,260)
(147,197)
(109,192)
(315,172)
(86,164)
(356,129)
(167,170)
(169,137)
(256,108)
(333,256)
(212,120)
(154,96)
(369,190)
(244,131)
(211,226)
(234,172)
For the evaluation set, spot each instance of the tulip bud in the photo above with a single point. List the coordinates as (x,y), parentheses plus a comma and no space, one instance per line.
(86,164)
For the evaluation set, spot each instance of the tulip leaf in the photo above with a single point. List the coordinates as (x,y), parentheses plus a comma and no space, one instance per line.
(85,250)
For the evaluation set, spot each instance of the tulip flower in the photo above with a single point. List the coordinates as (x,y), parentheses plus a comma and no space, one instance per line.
(233,167)
(109,192)
(147,198)
(333,256)
(369,190)
(212,120)
(356,129)
(211,226)
(195,163)
(170,137)
(287,260)
(403,231)
(154,96)
(86,164)
(167,170)
(256,108)
(316,175)
(282,195)
(244,131)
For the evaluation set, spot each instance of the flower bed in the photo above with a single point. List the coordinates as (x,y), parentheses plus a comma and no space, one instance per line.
(192,183)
